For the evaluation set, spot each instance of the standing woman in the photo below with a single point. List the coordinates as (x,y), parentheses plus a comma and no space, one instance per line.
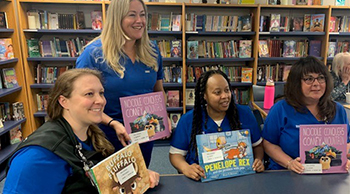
(214,111)
(48,160)
(341,76)
(307,101)
(129,62)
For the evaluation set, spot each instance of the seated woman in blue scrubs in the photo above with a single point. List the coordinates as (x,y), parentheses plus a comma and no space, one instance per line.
(214,111)
(53,158)
(307,101)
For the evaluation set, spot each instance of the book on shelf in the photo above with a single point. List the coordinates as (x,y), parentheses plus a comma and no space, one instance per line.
(154,18)
(275,22)
(307,21)
(317,2)
(289,47)
(96,20)
(286,70)
(165,22)
(232,150)
(33,19)
(339,2)
(176,23)
(315,48)
(247,75)
(301,2)
(15,135)
(53,21)
(332,49)
(192,49)
(18,111)
(245,48)
(246,1)
(190,96)
(124,171)
(174,119)
(10,78)
(80,20)
(298,23)
(33,47)
(3,20)
(317,23)
(323,148)
(5,111)
(175,49)
(145,117)
(263,49)
(45,48)
(246,23)
(173,98)
(6,49)
(332,22)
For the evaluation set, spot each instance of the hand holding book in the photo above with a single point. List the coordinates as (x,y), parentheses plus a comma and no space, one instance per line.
(119,128)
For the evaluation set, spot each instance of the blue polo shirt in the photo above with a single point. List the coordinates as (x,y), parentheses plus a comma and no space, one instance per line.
(182,135)
(138,79)
(282,127)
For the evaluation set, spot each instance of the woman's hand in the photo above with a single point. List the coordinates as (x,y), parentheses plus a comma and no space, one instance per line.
(295,165)
(194,171)
(122,135)
(345,75)
(258,165)
(153,178)
(347,167)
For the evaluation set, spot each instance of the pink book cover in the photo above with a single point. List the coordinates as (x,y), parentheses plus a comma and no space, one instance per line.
(323,148)
(145,117)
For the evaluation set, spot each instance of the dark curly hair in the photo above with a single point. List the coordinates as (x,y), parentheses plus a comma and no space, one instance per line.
(200,105)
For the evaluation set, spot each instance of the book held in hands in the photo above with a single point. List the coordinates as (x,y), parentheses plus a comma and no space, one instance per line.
(145,117)
(225,154)
(124,171)
(323,148)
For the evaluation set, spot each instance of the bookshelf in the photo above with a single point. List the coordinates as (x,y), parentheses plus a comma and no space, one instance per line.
(184,35)
(16,94)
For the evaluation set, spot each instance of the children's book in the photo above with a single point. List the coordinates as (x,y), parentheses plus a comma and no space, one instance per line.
(175,49)
(96,20)
(298,23)
(33,47)
(263,49)
(340,2)
(315,48)
(174,118)
(275,22)
(173,98)
(247,75)
(124,171)
(289,48)
(15,135)
(286,70)
(323,148)
(190,96)
(176,23)
(3,20)
(10,79)
(317,22)
(6,49)
(80,20)
(225,154)
(145,117)
(192,49)
(307,20)
(245,48)
(332,49)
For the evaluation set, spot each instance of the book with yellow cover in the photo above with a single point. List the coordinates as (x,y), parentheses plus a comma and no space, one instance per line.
(247,75)
(122,172)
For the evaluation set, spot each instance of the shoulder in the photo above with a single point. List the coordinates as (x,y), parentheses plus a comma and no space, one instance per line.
(339,107)
(187,116)
(36,154)
(243,108)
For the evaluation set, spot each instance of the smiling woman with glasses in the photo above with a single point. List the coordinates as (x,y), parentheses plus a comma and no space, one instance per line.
(307,101)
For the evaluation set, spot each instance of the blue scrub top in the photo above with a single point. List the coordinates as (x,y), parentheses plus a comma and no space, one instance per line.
(138,79)
(182,135)
(282,127)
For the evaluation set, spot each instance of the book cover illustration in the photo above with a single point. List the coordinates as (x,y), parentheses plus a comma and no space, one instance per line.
(332,48)
(173,98)
(192,49)
(3,20)
(275,22)
(145,117)
(289,48)
(175,50)
(245,48)
(18,111)
(340,2)
(10,78)
(263,49)
(315,48)
(123,172)
(96,20)
(317,22)
(225,154)
(6,49)
(16,135)
(247,75)
(298,23)
(323,148)
(174,118)
(307,20)
(190,96)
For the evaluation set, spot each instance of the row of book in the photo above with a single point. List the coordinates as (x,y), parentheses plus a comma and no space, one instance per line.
(164,22)
(275,72)
(169,48)
(42,99)
(9,112)
(3,20)
(289,48)
(339,24)
(172,74)
(219,49)
(56,47)
(6,49)
(277,23)
(8,78)
(42,19)
(218,23)
(335,47)
(48,75)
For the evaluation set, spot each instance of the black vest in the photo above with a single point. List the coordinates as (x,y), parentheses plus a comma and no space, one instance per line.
(58,137)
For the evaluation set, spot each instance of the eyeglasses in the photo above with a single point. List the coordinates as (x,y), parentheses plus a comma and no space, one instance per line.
(310,80)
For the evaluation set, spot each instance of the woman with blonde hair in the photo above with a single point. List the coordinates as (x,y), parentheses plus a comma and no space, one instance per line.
(129,62)
(55,157)
(341,75)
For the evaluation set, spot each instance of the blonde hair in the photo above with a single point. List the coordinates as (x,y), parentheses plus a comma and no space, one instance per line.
(64,87)
(338,62)
(113,39)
